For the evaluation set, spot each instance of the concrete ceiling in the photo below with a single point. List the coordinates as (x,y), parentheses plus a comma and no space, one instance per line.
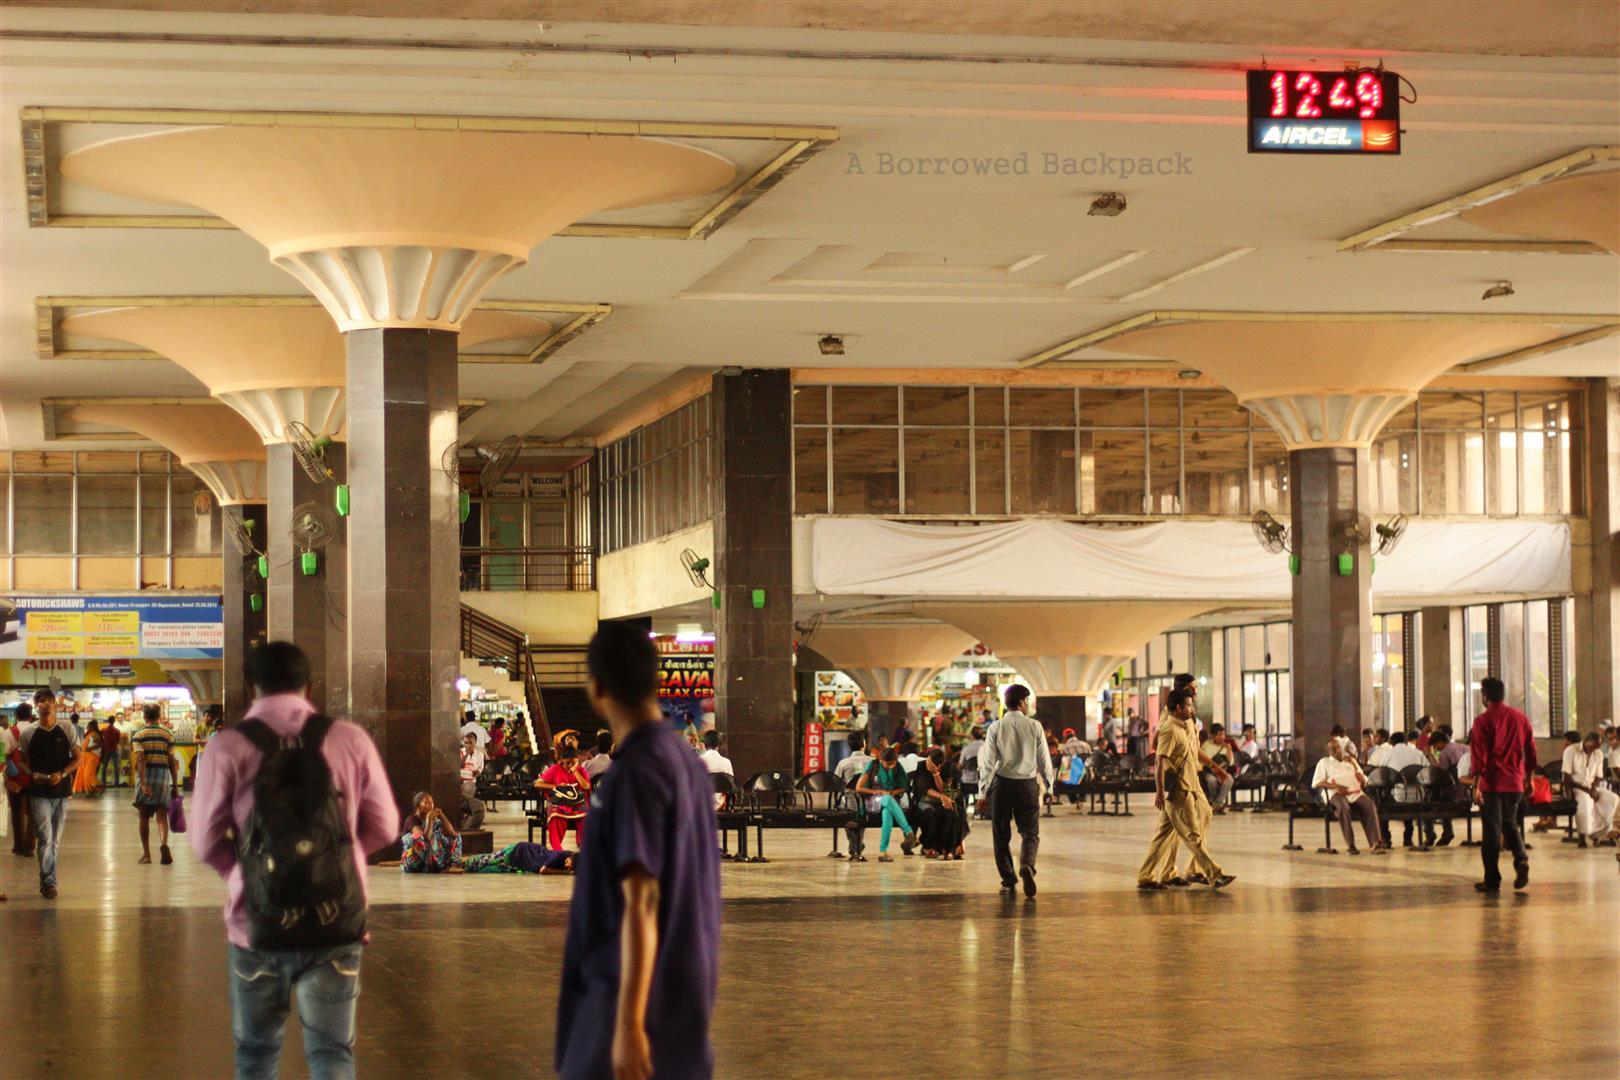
(922,271)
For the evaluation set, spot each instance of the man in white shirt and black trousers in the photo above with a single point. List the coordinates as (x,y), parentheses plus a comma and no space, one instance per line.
(1014,770)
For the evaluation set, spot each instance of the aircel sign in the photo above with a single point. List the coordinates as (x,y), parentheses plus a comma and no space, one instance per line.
(1355,111)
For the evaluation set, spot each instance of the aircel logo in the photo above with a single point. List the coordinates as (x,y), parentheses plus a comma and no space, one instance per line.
(1312,135)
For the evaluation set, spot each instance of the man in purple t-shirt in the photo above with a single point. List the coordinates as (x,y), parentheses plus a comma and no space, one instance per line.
(642,959)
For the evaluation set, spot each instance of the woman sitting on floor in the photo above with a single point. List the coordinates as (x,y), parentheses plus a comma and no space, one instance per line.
(430,844)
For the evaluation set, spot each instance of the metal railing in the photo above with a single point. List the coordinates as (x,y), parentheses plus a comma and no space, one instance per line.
(553,569)
(492,640)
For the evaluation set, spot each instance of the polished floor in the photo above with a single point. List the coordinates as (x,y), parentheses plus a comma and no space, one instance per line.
(1309,965)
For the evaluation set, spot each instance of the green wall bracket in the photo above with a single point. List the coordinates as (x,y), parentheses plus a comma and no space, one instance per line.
(715,596)
(759,598)
(463,505)
(308,563)
(256,602)
(1347,564)
(1293,565)
(264,566)
(340,500)
(1372,566)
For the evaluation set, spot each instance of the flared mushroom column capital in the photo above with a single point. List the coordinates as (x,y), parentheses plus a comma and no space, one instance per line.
(1321,382)
(892,683)
(396,227)
(207,438)
(1066,676)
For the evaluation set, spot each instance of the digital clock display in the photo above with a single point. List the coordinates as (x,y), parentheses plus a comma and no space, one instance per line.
(1324,112)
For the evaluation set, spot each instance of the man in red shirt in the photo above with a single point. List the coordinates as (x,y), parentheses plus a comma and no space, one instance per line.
(1502,753)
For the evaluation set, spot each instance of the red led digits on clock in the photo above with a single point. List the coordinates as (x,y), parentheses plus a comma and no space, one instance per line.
(1370,92)
(1339,97)
(1279,94)
(1311,89)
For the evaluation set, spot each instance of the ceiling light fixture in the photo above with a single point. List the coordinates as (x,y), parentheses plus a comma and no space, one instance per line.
(1188,373)
(831,345)
(1501,288)
(1108,204)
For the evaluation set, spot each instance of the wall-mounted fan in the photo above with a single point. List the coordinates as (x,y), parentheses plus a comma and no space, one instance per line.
(1273,535)
(240,530)
(313,527)
(310,450)
(1356,531)
(697,568)
(1389,534)
(497,459)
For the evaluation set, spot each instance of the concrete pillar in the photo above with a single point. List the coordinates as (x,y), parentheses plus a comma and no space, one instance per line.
(1595,564)
(1059,711)
(404,548)
(1441,664)
(753,557)
(1332,610)
(244,627)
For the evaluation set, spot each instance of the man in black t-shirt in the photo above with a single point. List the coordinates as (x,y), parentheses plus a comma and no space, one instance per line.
(50,751)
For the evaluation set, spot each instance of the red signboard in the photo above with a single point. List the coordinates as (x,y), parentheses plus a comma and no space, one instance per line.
(815,748)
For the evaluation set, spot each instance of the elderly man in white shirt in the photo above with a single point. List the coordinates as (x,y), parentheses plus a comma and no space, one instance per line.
(1014,769)
(1594,804)
(1340,777)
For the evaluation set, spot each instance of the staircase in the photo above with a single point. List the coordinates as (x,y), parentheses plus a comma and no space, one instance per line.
(499,644)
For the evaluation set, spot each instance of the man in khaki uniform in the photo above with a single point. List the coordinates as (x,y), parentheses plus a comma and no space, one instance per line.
(1184,811)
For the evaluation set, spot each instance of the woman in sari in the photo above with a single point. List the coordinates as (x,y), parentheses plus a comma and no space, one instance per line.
(568,793)
(430,844)
(936,792)
(84,780)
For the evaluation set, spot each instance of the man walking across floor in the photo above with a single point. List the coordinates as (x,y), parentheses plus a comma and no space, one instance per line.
(640,966)
(325,791)
(50,753)
(17,784)
(1502,753)
(156,773)
(1014,770)
(1183,807)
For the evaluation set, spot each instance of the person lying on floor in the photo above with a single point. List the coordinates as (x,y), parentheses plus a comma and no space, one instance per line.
(431,845)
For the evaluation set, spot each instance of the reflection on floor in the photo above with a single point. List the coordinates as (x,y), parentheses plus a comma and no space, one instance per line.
(1309,964)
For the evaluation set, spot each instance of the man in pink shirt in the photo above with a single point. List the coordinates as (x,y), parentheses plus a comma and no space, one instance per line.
(327,981)
(1502,754)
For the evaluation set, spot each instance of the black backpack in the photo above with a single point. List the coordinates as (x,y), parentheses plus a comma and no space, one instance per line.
(299,881)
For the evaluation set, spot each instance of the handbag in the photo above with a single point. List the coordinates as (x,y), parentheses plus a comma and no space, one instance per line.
(1540,789)
(177,814)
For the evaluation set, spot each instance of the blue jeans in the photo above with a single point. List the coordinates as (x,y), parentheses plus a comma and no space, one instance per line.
(327,982)
(893,816)
(49,816)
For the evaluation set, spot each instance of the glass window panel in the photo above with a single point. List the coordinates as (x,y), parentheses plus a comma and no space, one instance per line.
(1158,658)
(1450,411)
(107,515)
(154,461)
(1568,498)
(1164,473)
(1040,407)
(990,471)
(107,461)
(1111,408)
(989,406)
(1502,472)
(1215,472)
(1268,482)
(5,515)
(1042,472)
(1394,472)
(1113,463)
(1254,647)
(155,516)
(809,471)
(1164,409)
(1537,702)
(866,471)
(1513,650)
(937,470)
(1476,645)
(865,405)
(1212,409)
(937,405)
(1501,409)
(42,461)
(1277,643)
(194,516)
(44,514)
(1453,472)
(1180,654)
(1540,473)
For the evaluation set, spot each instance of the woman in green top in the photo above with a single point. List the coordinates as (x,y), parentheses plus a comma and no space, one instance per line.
(882,784)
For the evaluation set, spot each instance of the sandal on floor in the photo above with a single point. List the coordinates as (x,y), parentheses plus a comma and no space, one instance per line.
(885,857)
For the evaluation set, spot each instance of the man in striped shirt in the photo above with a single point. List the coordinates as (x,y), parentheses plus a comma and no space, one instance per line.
(153,769)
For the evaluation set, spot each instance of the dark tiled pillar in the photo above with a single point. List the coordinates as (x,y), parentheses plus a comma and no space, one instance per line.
(295,603)
(335,571)
(244,627)
(1058,711)
(883,717)
(1332,671)
(1595,561)
(753,549)
(404,547)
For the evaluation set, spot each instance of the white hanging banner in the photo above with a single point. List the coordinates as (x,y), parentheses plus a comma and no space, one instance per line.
(1213,560)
